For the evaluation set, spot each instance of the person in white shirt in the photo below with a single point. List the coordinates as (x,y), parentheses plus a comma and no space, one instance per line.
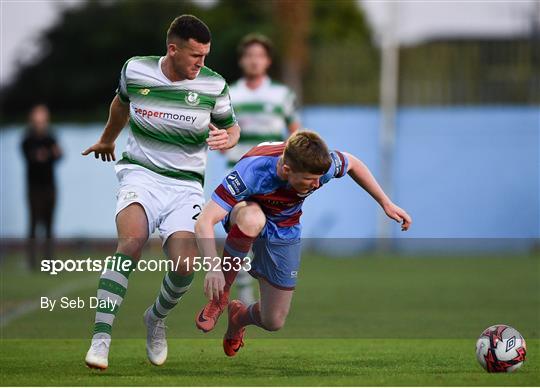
(177,108)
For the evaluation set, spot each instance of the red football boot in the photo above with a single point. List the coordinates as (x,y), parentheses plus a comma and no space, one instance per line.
(233,339)
(207,318)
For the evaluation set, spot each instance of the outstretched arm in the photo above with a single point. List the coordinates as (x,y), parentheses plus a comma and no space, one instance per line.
(118,117)
(214,281)
(359,172)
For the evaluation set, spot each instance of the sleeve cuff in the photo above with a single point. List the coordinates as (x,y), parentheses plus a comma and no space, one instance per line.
(122,98)
(217,199)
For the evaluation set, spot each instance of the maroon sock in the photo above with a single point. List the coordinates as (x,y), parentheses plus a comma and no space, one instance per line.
(238,245)
(250,316)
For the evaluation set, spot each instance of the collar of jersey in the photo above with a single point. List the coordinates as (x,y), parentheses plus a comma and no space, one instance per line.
(267,81)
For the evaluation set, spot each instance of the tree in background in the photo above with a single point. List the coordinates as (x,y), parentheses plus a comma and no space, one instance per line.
(294,20)
(78,71)
(344,63)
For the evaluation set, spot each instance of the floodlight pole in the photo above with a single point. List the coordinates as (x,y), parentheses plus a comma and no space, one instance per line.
(388,106)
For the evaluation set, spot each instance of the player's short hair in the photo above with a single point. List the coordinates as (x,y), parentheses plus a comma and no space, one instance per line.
(186,27)
(255,38)
(306,151)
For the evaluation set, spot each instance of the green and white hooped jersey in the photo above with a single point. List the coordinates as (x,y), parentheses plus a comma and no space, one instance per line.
(263,114)
(169,120)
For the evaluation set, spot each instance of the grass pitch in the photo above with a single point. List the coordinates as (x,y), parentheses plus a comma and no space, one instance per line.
(369,321)
(262,362)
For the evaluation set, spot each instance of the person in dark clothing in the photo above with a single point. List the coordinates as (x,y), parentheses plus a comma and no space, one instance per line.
(41,152)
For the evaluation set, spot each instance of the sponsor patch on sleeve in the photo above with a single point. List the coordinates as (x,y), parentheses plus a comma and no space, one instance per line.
(338,164)
(235,184)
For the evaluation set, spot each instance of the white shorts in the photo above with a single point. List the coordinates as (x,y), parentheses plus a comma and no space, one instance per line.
(171,205)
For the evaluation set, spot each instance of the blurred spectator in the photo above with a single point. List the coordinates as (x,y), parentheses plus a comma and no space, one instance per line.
(40,153)
(265,109)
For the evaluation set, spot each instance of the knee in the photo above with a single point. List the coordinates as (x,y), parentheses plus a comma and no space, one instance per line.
(274,322)
(131,246)
(182,251)
(184,266)
(251,219)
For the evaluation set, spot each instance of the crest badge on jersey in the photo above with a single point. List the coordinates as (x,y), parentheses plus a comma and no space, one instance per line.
(127,195)
(235,184)
(192,99)
(144,92)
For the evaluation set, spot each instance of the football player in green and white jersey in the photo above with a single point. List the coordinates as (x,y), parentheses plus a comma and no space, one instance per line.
(265,111)
(177,108)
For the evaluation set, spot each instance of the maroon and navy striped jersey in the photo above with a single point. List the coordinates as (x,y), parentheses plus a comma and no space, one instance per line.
(254,178)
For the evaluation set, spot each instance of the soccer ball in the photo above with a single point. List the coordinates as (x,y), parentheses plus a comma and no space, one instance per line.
(501,348)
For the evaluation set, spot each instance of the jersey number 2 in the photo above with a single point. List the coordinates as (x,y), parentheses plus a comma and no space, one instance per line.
(198,207)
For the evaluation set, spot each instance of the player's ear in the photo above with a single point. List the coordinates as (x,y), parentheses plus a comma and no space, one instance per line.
(286,170)
(171,49)
(173,46)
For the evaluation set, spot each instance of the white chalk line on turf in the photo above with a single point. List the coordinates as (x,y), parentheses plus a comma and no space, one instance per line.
(28,307)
